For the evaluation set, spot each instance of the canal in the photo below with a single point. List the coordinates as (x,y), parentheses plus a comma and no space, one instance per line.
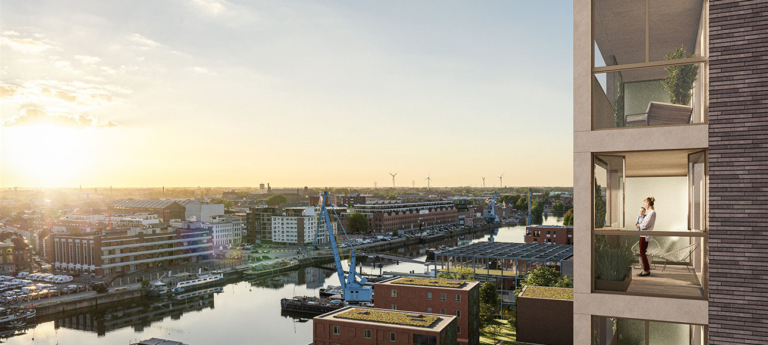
(240,312)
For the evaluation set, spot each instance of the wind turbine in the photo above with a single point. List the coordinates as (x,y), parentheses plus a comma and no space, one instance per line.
(501,185)
(429,179)
(483,181)
(393,179)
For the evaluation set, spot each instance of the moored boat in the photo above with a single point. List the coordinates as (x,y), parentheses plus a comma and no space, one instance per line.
(310,305)
(199,282)
(16,317)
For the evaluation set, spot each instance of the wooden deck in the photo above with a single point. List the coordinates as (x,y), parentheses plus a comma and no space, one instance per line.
(674,281)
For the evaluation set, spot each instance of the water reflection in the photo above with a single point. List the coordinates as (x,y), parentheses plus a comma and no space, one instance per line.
(244,312)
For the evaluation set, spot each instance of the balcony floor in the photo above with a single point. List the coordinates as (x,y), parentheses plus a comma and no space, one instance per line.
(674,281)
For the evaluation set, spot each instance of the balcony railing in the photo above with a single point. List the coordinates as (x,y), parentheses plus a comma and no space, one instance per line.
(611,331)
(677,261)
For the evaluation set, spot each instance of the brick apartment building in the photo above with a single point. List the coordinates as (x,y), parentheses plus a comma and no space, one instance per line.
(354,325)
(340,200)
(164,209)
(440,296)
(390,216)
(258,224)
(550,234)
(127,250)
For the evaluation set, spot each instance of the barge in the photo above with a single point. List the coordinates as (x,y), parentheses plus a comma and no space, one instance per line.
(310,305)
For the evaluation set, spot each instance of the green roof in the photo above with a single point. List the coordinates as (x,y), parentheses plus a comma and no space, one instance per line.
(548,292)
(392,317)
(447,283)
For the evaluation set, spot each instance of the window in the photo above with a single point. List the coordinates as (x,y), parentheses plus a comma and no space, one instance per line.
(394,293)
(391,336)
(442,297)
(458,330)
(458,313)
(367,334)
(394,307)
(429,296)
(336,330)
(442,311)
(429,310)
(457,298)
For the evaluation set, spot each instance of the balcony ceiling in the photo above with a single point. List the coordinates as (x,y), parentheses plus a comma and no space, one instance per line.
(620,28)
(657,163)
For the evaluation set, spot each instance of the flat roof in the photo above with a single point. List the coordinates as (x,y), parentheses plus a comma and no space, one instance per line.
(410,320)
(433,282)
(545,292)
(511,251)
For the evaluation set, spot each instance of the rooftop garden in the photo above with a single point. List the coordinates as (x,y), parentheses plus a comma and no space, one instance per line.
(446,283)
(548,292)
(392,317)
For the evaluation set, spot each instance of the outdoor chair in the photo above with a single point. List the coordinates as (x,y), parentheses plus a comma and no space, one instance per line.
(653,249)
(661,114)
(680,255)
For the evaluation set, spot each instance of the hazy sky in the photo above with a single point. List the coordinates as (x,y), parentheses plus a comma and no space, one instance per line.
(294,93)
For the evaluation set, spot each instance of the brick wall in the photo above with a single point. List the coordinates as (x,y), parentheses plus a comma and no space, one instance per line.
(738,172)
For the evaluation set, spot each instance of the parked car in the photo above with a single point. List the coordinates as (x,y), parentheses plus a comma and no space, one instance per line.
(28,289)
(9,294)
(22,274)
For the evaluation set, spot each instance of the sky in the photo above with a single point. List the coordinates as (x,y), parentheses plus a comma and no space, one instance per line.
(291,93)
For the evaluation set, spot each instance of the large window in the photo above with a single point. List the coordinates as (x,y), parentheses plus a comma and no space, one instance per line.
(650,63)
(616,331)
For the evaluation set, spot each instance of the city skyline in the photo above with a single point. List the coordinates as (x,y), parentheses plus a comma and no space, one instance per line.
(218,93)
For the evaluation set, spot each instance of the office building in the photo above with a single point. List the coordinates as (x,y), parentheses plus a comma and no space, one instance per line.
(439,296)
(298,225)
(201,211)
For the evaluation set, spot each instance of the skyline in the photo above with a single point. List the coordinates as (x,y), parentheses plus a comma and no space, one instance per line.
(218,93)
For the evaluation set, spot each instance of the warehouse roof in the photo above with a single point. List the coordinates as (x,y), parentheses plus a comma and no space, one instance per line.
(143,203)
(512,251)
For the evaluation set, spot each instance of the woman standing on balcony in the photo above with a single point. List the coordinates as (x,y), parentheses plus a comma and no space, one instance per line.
(647,225)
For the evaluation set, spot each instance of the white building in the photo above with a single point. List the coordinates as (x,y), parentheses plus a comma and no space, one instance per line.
(297,225)
(228,231)
(201,211)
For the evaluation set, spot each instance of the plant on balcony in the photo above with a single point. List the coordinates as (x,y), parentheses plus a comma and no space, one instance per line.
(599,206)
(679,82)
(613,263)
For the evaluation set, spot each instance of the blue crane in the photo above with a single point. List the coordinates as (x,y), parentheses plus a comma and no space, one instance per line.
(353,284)
(491,217)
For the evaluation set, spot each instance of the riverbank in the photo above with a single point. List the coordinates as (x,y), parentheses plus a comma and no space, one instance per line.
(91,299)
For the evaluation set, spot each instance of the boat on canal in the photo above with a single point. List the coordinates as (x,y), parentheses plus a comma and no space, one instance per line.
(199,281)
(331,290)
(158,289)
(16,317)
(310,305)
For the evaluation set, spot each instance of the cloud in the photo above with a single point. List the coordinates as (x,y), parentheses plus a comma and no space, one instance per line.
(136,38)
(24,45)
(10,33)
(34,116)
(202,70)
(87,60)
(211,6)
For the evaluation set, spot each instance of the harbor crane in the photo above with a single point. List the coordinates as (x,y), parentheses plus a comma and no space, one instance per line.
(353,284)
(491,217)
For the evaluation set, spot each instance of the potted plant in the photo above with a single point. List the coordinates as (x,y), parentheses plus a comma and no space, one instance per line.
(680,79)
(613,264)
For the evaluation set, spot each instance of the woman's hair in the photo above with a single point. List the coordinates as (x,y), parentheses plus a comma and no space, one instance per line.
(650,200)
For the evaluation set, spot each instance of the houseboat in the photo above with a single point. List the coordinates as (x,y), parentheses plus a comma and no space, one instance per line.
(16,317)
(199,281)
(310,305)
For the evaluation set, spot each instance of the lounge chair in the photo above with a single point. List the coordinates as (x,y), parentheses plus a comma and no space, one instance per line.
(661,114)
(680,255)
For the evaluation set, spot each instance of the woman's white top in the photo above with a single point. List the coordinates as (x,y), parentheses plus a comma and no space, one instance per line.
(648,222)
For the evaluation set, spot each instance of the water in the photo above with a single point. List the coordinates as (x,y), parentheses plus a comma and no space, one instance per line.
(240,313)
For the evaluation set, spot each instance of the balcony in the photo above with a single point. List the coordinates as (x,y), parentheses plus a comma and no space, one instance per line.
(615,331)
(650,63)
(677,179)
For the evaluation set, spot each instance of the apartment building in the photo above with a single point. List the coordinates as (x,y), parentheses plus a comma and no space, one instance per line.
(227,230)
(670,102)
(259,224)
(390,216)
(127,250)
(201,211)
(438,296)
(550,234)
(298,225)
(355,325)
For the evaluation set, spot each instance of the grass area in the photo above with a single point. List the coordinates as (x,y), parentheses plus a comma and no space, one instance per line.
(430,282)
(496,331)
(548,292)
(393,317)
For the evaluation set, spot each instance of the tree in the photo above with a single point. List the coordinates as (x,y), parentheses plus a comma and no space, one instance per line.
(545,276)
(559,206)
(537,212)
(277,200)
(357,223)
(509,199)
(545,196)
(488,294)
(522,204)
(600,209)
(568,217)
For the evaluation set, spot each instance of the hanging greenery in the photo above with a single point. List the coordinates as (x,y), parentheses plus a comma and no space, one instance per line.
(680,79)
